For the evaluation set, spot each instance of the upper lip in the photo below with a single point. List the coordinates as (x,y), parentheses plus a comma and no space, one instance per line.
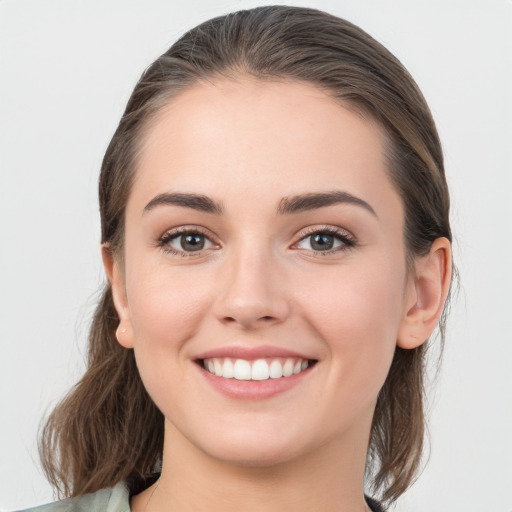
(250,353)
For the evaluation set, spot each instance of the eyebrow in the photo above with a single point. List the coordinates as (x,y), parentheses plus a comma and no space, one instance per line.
(194,201)
(287,205)
(313,201)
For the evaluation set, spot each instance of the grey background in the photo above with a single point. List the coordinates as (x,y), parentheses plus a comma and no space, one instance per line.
(66,70)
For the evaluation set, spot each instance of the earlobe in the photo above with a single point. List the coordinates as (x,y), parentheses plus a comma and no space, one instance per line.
(425,295)
(115,276)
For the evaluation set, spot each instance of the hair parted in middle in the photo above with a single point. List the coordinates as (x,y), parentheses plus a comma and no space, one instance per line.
(108,429)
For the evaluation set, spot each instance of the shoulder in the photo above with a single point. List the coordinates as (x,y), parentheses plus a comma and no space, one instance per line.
(114,499)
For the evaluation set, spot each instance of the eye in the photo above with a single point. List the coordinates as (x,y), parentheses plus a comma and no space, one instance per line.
(186,241)
(325,240)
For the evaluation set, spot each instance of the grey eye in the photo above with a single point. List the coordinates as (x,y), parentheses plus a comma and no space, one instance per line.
(320,242)
(190,242)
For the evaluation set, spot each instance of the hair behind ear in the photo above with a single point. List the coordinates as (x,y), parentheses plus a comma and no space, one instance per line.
(398,428)
(107,429)
(397,433)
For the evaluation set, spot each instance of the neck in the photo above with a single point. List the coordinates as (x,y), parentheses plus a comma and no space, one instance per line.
(330,478)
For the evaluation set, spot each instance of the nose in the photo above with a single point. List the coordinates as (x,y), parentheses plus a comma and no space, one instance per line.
(252,294)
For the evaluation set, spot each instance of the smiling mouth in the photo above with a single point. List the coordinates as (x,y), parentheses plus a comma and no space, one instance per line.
(257,370)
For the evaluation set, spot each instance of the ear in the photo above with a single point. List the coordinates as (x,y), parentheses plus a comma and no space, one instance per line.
(114,271)
(425,295)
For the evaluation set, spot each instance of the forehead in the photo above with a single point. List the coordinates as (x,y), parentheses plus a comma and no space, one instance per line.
(254,137)
(247,110)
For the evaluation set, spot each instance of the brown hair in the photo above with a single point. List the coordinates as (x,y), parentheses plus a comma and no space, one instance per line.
(108,429)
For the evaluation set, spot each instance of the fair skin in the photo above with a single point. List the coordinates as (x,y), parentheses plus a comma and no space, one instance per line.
(321,281)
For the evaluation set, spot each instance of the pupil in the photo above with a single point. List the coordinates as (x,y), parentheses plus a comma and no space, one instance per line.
(192,242)
(322,242)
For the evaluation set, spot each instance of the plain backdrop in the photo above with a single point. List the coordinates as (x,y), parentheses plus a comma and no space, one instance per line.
(66,71)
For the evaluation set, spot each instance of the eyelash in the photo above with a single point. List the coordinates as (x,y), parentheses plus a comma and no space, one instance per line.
(347,240)
(167,237)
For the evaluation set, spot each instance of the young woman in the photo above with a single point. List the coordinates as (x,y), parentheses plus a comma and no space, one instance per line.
(276,237)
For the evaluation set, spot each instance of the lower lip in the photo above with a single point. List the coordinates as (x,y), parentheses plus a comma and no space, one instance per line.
(253,389)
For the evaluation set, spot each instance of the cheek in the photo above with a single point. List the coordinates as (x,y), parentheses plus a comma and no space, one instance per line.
(166,311)
(362,298)
(357,313)
(166,306)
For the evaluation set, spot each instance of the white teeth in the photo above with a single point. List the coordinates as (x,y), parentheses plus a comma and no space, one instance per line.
(276,370)
(260,369)
(228,370)
(242,370)
(287,368)
(217,367)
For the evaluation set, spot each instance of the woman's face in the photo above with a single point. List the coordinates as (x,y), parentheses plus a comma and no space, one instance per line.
(263,237)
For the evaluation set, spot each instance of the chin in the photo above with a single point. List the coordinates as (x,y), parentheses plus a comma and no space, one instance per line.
(254,447)
(254,457)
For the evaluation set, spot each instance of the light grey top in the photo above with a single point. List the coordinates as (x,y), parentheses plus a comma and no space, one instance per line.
(115,499)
